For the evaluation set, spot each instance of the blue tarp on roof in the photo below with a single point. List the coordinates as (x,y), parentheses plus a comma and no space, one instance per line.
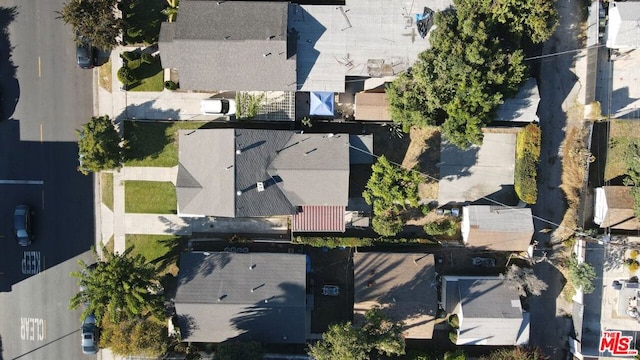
(321,103)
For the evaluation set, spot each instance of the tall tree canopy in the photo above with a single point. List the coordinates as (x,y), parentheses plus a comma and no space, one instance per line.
(95,20)
(474,63)
(347,342)
(390,189)
(145,336)
(99,146)
(120,287)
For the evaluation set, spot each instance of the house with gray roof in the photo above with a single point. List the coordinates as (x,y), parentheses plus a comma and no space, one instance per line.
(497,228)
(622,28)
(230,45)
(280,46)
(242,297)
(244,173)
(489,312)
(403,285)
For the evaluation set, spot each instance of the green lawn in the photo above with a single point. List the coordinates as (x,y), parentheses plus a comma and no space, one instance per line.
(142,20)
(621,135)
(106,189)
(152,197)
(154,143)
(150,76)
(161,250)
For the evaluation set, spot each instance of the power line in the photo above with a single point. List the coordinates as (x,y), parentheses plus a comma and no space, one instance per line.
(562,52)
(481,196)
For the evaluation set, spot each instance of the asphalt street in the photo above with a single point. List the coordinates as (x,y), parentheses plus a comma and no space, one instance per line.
(45,99)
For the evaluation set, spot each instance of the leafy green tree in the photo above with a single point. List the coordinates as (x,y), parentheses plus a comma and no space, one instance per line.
(536,20)
(391,189)
(582,274)
(341,342)
(442,227)
(383,334)
(120,287)
(515,353)
(347,342)
(239,351)
(459,82)
(99,146)
(95,20)
(142,336)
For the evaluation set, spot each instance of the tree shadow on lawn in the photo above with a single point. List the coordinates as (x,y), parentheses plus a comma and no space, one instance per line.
(142,20)
(145,73)
(145,139)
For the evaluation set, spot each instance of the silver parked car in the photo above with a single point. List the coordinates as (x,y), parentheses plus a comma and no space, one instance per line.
(89,335)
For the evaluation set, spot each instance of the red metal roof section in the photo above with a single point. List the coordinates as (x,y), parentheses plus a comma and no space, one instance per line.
(319,218)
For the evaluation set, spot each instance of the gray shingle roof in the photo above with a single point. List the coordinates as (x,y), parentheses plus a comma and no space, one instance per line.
(491,311)
(215,302)
(222,47)
(306,169)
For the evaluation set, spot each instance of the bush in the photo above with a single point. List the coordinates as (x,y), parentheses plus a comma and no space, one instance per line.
(527,159)
(126,76)
(442,227)
(170,85)
(147,58)
(454,322)
(453,336)
(334,242)
(130,55)
(456,355)
(134,33)
(582,275)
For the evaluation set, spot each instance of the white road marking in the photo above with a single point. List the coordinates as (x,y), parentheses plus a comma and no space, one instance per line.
(33,329)
(39,67)
(21,182)
(31,263)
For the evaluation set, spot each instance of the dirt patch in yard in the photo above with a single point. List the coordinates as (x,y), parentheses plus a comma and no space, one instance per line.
(424,154)
(105,80)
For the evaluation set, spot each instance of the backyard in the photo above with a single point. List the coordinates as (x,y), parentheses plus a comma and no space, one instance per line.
(621,135)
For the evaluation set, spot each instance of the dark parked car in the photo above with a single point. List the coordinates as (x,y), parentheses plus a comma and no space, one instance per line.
(85,53)
(89,335)
(22,225)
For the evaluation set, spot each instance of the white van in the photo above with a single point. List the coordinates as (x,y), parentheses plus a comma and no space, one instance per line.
(218,107)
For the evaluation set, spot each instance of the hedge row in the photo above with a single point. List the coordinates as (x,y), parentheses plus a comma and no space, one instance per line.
(334,242)
(526,167)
